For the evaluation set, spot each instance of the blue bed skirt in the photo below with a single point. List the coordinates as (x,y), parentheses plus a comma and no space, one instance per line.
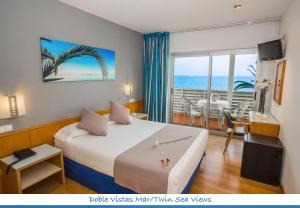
(105,184)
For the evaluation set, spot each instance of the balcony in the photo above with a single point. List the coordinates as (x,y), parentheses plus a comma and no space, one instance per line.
(214,116)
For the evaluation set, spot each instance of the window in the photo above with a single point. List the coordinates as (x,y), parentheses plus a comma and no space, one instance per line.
(231,75)
(244,72)
(220,72)
(191,72)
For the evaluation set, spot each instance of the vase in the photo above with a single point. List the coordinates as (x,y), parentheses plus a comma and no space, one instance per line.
(262,100)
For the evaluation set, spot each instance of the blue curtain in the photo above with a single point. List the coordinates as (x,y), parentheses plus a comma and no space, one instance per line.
(155,66)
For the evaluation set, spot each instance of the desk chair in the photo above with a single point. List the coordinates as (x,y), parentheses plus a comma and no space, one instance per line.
(241,108)
(237,126)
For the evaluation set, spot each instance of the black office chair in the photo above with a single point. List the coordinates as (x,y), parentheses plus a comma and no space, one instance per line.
(236,127)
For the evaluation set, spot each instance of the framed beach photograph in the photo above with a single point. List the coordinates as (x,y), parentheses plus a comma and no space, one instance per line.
(279,80)
(63,61)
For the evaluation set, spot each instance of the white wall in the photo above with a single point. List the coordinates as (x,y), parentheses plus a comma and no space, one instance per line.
(244,36)
(229,38)
(288,114)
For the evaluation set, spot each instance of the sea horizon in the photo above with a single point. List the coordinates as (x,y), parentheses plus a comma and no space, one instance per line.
(201,82)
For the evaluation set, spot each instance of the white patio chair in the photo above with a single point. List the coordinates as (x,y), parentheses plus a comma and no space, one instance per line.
(191,109)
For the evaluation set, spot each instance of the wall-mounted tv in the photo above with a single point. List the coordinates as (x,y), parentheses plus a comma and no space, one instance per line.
(270,50)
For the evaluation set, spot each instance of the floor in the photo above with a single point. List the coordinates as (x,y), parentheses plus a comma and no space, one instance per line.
(219,174)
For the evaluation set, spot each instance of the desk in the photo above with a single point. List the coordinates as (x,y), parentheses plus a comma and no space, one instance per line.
(265,125)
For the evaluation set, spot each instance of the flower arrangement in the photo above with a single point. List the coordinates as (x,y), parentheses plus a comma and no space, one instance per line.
(263,84)
(165,162)
(157,143)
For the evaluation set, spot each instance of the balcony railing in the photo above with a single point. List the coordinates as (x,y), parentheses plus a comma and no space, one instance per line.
(195,95)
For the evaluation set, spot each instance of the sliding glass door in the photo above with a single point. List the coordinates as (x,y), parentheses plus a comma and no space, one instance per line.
(243,81)
(190,84)
(219,91)
(204,85)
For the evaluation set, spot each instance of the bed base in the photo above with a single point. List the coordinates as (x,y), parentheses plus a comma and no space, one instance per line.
(105,184)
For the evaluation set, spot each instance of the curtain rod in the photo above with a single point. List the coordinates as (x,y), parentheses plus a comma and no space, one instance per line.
(250,22)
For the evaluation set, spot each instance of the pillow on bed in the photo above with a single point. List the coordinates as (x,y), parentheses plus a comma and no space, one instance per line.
(70,132)
(107,117)
(131,119)
(119,113)
(93,123)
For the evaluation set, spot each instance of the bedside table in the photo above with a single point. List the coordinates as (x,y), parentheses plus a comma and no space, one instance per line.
(47,162)
(142,116)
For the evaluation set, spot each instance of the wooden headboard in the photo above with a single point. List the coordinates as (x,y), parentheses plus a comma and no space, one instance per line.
(43,134)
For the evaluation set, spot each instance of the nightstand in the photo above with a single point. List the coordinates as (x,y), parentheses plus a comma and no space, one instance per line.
(142,116)
(47,162)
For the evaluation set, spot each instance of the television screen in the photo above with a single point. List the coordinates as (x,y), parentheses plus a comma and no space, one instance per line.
(270,50)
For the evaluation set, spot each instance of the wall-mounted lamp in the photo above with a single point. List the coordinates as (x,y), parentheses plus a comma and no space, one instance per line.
(128,89)
(12,106)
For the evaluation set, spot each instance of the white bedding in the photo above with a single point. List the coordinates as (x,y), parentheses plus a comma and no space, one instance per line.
(99,153)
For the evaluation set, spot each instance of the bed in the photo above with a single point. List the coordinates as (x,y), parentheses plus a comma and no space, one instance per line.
(90,159)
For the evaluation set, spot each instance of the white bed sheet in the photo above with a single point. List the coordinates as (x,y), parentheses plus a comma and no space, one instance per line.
(99,153)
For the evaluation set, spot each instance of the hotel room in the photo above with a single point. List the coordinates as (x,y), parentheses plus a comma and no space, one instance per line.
(149,97)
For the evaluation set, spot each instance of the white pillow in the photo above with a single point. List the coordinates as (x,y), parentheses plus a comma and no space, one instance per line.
(107,116)
(131,118)
(70,132)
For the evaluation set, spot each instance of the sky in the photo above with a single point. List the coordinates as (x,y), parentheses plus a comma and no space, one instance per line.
(198,66)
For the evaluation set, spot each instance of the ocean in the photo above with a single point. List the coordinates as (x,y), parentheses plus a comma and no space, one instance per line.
(201,82)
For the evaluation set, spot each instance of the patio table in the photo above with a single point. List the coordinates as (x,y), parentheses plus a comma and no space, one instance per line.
(217,105)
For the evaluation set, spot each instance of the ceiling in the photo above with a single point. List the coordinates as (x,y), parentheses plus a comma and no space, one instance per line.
(175,15)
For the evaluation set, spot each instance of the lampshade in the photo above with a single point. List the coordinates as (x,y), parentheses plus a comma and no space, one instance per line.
(4,108)
(128,89)
(12,106)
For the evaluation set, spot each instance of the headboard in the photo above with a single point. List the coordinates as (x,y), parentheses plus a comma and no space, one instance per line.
(43,134)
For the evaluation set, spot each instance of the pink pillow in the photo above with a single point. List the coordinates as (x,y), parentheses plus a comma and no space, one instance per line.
(93,123)
(119,113)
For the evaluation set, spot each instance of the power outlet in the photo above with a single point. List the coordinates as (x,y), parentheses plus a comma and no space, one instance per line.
(6,128)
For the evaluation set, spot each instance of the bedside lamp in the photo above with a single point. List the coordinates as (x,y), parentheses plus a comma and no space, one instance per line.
(12,106)
(128,89)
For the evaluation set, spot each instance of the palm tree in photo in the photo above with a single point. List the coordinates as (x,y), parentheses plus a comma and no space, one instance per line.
(50,63)
(244,84)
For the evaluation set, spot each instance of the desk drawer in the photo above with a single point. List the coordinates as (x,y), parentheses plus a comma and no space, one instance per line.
(265,129)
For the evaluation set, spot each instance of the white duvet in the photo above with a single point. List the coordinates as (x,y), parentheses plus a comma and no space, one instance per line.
(99,152)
